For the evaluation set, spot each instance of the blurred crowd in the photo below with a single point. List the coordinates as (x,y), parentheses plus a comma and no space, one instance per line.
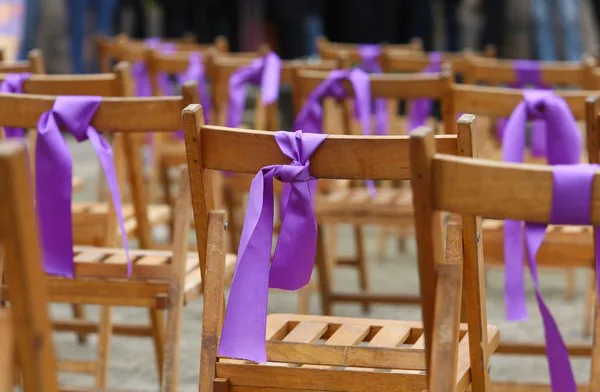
(291,26)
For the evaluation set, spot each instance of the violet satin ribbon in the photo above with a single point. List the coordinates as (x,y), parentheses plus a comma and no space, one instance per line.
(244,328)
(53,177)
(13,84)
(139,71)
(564,146)
(369,56)
(265,72)
(419,110)
(528,73)
(571,205)
(197,73)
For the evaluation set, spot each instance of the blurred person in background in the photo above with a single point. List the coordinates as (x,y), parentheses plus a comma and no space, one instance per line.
(298,24)
(452,35)
(30,27)
(103,11)
(494,22)
(140,29)
(567,13)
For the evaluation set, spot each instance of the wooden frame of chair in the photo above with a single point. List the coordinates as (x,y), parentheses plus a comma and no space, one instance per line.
(391,207)
(33,346)
(334,50)
(118,48)
(394,61)
(499,72)
(101,273)
(561,242)
(34,64)
(296,360)
(497,191)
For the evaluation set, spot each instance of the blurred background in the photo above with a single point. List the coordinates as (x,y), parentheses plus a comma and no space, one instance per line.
(542,29)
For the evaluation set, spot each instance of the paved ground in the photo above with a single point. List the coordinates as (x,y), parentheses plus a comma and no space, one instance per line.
(131,360)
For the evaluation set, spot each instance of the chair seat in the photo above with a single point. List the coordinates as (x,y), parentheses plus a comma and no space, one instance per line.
(106,269)
(386,207)
(563,246)
(349,352)
(158,214)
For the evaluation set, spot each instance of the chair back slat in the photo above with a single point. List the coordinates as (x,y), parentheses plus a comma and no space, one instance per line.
(23,271)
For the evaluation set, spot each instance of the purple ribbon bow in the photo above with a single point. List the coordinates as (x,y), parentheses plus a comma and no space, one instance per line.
(244,328)
(13,84)
(419,110)
(53,178)
(266,72)
(369,56)
(528,73)
(570,205)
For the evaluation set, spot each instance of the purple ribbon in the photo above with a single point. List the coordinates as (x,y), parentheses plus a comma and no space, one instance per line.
(266,72)
(196,72)
(53,179)
(570,205)
(528,73)
(139,71)
(419,110)
(369,56)
(244,328)
(13,84)
(310,117)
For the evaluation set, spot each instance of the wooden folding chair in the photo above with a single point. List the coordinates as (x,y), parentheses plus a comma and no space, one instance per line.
(100,273)
(25,337)
(357,354)
(479,188)
(391,207)
(564,246)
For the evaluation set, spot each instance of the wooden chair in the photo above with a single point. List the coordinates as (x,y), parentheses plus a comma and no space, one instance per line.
(478,188)
(497,72)
(390,208)
(334,50)
(355,351)
(395,61)
(100,273)
(25,337)
(34,64)
(564,246)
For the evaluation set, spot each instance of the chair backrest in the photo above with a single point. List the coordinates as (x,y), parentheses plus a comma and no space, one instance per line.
(335,50)
(221,67)
(100,229)
(501,101)
(500,72)
(592,113)
(396,61)
(123,48)
(338,157)
(33,64)
(393,87)
(115,116)
(23,272)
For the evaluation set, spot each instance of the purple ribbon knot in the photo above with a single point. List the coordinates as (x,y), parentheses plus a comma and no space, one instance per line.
(13,84)
(266,72)
(54,171)
(244,328)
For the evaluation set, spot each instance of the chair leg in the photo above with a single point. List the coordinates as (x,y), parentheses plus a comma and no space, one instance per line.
(163,172)
(570,283)
(104,336)
(590,296)
(158,337)
(304,299)
(79,314)
(361,263)
(382,238)
(324,269)
(230,207)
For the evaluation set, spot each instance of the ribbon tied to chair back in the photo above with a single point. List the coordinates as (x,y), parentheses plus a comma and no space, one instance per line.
(13,84)
(369,57)
(528,74)
(53,178)
(570,205)
(244,328)
(264,72)
(419,110)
